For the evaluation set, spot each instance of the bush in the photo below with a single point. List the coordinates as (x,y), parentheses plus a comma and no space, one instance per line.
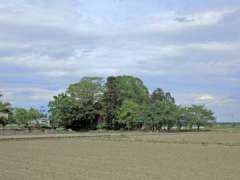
(12,126)
(101,126)
(45,126)
(60,130)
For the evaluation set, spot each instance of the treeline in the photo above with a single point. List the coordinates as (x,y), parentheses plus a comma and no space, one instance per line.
(122,102)
(18,116)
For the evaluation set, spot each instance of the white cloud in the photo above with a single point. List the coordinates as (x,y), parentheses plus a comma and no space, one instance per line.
(209,99)
(205,97)
(28,94)
(77,20)
(116,58)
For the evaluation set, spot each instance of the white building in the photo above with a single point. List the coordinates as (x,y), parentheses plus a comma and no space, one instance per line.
(41,121)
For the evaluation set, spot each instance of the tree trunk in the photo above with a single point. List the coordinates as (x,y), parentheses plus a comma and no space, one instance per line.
(198,127)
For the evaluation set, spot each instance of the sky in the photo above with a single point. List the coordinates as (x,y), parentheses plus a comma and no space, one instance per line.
(190,48)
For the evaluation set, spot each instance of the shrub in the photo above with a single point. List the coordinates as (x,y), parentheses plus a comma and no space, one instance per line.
(60,130)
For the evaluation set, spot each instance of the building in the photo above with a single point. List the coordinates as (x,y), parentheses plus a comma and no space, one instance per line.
(41,121)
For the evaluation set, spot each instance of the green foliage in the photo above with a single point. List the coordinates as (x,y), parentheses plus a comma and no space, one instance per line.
(120,89)
(24,117)
(101,126)
(89,89)
(62,110)
(5,110)
(160,95)
(5,107)
(200,115)
(79,106)
(21,116)
(159,114)
(129,113)
(12,126)
(122,102)
(60,130)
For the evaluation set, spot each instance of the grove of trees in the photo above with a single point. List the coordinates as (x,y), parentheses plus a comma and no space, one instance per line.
(20,116)
(122,102)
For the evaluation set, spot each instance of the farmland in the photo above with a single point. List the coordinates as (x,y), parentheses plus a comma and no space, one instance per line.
(180,156)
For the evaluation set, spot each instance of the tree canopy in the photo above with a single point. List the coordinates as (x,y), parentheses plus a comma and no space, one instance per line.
(122,102)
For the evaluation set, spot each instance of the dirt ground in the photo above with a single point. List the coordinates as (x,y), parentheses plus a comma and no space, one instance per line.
(133,156)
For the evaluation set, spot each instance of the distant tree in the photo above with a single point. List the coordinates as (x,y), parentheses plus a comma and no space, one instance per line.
(123,101)
(88,95)
(200,115)
(170,113)
(164,110)
(160,95)
(88,89)
(149,117)
(34,114)
(80,106)
(157,95)
(129,113)
(112,101)
(21,116)
(5,107)
(120,89)
(160,114)
(181,117)
(63,110)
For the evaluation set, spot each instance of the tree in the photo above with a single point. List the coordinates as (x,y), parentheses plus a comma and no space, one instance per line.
(6,108)
(153,115)
(160,95)
(80,106)
(148,116)
(62,111)
(88,95)
(200,115)
(88,89)
(112,101)
(120,89)
(21,117)
(34,114)
(121,101)
(129,113)
(164,110)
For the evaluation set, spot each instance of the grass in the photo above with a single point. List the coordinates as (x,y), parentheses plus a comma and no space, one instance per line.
(173,156)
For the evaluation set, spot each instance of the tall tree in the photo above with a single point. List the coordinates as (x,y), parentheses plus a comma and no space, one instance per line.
(34,114)
(88,89)
(129,113)
(88,94)
(80,106)
(63,110)
(160,95)
(21,116)
(112,101)
(200,115)
(120,89)
(6,108)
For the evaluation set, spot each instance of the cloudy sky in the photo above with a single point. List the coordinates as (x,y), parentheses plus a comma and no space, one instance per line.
(190,48)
